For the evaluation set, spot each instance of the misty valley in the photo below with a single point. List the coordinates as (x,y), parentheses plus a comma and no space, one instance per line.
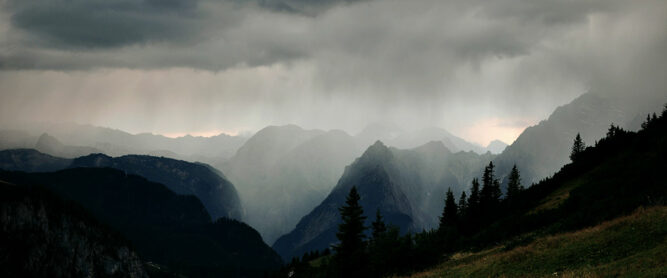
(81,200)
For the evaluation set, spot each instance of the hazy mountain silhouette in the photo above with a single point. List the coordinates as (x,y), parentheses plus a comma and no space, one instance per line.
(371,174)
(394,136)
(385,132)
(408,140)
(50,145)
(408,186)
(113,142)
(284,172)
(496,146)
(166,228)
(544,148)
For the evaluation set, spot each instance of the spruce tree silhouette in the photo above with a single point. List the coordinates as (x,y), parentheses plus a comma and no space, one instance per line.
(489,196)
(473,210)
(463,204)
(449,213)
(350,251)
(577,148)
(379,228)
(514,183)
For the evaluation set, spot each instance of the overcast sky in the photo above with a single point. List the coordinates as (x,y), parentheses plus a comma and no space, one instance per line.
(481,69)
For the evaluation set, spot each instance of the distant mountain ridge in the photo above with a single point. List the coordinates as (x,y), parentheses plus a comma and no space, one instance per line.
(214,190)
(50,145)
(217,194)
(114,142)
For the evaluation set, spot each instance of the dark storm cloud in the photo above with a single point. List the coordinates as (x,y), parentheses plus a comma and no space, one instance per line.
(105,23)
(382,38)
(308,7)
(117,23)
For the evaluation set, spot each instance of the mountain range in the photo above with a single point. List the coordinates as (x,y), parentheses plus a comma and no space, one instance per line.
(217,194)
(166,228)
(75,140)
(283,172)
(409,185)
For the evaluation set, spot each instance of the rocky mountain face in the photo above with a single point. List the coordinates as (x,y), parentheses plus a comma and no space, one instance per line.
(44,236)
(283,172)
(217,194)
(407,186)
(544,148)
(166,228)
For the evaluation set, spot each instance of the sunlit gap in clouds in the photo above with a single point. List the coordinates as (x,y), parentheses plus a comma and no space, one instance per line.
(204,133)
(504,129)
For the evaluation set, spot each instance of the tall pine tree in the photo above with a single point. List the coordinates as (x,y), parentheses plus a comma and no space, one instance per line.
(463,204)
(473,201)
(514,183)
(378,226)
(450,212)
(350,251)
(489,196)
(577,148)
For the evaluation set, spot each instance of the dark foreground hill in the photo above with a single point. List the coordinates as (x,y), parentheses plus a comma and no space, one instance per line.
(166,228)
(43,236)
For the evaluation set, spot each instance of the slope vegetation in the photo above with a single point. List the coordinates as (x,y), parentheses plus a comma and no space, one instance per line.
(570,223)
(629,246)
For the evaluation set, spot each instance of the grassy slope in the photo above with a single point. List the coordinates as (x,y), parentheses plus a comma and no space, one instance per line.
(629,246)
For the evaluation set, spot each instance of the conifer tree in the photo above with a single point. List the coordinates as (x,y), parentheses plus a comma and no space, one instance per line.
(351,230)
(463,204)
(489,196)
(450,212)
(473,201)
(514,183)
(350,251)
(578,147)
(379,228)
(646,123)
